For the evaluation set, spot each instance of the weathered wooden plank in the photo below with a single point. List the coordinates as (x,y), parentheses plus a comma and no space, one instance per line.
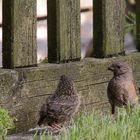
(19,33)
(138,24)
(108,27)
(23,90)
(63,30)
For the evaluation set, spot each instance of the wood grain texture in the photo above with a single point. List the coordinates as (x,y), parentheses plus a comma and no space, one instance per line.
(138,24)
(108,28)
(19,33)
(63,30)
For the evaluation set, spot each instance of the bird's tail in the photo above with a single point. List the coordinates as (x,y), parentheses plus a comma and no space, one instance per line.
(40,121)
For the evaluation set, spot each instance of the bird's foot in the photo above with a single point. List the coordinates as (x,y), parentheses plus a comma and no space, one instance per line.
(55,129)
(56,126)
(45,130)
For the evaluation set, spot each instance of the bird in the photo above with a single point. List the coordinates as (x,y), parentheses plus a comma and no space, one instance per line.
(60,106)
(121,89)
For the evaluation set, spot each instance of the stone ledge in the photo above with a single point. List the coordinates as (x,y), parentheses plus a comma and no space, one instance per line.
(23,90)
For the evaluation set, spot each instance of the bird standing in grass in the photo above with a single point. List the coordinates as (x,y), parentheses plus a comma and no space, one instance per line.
(121,89)
(61,105)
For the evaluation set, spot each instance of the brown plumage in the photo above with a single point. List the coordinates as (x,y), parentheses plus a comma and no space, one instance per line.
(61,105)
(121,89)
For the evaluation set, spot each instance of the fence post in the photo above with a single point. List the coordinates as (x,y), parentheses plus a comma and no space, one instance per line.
(63,30)
(19,33)
(138,24)
(108,27)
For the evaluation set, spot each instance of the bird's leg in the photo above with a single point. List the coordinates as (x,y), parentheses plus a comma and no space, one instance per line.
(132,109)
(113,110)
(55,125)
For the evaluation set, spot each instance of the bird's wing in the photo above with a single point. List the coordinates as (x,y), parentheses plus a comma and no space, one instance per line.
(43,109)
(42,114)
(62,107)
(130,92)
(116,92)
(122,92)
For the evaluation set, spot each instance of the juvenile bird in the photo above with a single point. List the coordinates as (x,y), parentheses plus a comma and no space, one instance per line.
(121,89)
(61,105)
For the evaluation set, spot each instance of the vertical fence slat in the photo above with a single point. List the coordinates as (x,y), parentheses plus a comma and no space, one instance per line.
(109,22)
(19,33)
(63,30)
(138,24)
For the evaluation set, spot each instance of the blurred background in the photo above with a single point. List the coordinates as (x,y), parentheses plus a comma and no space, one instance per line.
(86,28)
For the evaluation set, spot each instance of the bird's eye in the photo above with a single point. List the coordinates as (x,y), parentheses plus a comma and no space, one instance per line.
(118,66)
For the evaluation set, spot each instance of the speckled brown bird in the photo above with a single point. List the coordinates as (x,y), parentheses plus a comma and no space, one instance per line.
(61,105)
(121,89)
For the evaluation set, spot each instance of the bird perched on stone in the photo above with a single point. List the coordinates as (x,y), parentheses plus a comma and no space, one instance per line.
(121,89)
(61,105)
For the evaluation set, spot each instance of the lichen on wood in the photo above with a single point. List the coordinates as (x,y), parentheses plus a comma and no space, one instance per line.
(19,33)
(63,30)
(108,27)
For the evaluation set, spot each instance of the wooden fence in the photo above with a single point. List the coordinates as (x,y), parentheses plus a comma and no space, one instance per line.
(22,90)
(19,30)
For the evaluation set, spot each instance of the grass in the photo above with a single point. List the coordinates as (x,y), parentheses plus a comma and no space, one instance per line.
(99,126)
(6,123)
(44,61)
(130,25)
